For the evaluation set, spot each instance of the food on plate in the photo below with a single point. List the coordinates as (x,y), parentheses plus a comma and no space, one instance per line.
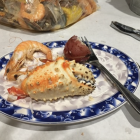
(51,79)
(58,79)
(15,93)
(23,52)
(76,50)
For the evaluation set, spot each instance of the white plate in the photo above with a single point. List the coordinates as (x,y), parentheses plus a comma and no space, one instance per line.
(102,101)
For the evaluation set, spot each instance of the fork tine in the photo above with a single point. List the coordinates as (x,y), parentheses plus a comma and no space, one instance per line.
(92,56)
(87,42)
(86,45)
(82,39)
(85,38)
(89,46)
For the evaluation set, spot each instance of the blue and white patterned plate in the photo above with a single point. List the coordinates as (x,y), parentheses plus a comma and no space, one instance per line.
(100,102)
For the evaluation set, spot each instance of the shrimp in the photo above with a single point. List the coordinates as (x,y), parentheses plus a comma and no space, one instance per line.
(89,6)
(93,5)
(12,76)
(22,23)
(2,14)
(22,52)
(35,15)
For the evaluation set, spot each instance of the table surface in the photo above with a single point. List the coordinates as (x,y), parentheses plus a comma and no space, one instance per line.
(124,123)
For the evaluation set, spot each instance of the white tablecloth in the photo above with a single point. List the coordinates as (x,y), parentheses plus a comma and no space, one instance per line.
(124,123)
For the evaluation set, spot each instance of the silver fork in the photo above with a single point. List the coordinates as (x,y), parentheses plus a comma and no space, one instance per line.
(131,98)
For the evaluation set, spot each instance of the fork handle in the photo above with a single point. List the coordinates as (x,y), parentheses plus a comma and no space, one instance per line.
(131,98)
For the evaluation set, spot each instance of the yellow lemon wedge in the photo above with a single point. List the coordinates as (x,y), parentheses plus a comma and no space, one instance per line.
(72,14)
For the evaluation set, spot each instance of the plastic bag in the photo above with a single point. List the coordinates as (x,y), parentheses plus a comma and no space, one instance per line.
(44,15)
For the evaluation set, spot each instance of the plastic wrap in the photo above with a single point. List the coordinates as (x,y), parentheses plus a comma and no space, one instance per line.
(44,15)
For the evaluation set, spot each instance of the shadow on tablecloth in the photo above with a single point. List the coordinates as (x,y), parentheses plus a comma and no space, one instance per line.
(132,116)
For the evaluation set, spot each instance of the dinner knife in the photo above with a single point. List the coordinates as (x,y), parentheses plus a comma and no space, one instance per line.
(135,33)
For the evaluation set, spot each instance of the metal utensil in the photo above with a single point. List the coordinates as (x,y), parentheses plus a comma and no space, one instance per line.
(138,65)
(135,33)
(131,98)
(126,28)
